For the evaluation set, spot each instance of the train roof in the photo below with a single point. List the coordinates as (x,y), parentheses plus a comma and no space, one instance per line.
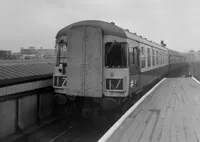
(110,29)
(107,28)
(173,52)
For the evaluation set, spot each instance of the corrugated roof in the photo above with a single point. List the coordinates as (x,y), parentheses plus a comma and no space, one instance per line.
(19,72)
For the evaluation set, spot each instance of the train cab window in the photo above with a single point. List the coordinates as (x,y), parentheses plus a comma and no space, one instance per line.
(142,57)
(149,57)
(116,55)
(62,53)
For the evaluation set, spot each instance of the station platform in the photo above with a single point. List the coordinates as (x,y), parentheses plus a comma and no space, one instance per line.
(169,112)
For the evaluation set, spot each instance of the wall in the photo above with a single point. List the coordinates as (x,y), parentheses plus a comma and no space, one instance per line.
(24,105)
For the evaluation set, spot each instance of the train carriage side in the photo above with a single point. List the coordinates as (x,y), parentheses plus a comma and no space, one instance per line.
(153,59)
(177,62)
(154,64)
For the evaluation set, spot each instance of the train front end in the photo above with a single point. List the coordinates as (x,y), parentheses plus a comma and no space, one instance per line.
(79,71)
(91,65)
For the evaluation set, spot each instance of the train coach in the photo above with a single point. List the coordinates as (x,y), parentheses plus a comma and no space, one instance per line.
(100,65)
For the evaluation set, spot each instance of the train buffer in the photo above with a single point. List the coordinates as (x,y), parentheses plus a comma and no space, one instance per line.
(168,112)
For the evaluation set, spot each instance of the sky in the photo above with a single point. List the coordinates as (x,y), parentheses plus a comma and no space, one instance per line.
(25,23)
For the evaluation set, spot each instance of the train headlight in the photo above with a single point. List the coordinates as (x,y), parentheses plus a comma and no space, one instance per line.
(114,84)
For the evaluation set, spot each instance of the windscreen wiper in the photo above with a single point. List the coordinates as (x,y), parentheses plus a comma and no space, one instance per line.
(111,46)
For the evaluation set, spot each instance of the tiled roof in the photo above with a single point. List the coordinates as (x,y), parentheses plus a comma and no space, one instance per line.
(24,71)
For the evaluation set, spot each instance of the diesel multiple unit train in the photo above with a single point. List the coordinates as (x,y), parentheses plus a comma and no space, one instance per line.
(100,65)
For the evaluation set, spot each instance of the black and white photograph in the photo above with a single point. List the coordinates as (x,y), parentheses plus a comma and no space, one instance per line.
(99,71)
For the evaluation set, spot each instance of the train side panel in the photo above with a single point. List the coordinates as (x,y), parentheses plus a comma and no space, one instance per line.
(154,64)
(134,67)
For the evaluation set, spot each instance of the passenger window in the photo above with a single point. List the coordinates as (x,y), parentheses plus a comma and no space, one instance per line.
(135,57)
(153,57)
(163,57)
(157,57)
(160,57)
(131,56)
(149,57)
(142,56)
(62,53)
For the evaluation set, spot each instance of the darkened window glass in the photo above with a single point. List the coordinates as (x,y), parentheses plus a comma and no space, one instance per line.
(149,57)
(116,55)
(143,58)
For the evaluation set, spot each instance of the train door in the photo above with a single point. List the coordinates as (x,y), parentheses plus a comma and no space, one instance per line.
(134,70)
(84,64)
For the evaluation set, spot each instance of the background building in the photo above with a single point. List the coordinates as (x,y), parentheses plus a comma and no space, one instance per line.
(6,55)
(46,53)
(33,53)
(28,53)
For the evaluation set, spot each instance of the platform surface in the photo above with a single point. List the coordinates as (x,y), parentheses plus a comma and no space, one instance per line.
(171,113)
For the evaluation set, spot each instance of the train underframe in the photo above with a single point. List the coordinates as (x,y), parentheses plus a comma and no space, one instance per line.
(88,107)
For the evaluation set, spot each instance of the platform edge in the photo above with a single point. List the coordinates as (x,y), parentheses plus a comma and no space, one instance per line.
(109,133)
(195,79)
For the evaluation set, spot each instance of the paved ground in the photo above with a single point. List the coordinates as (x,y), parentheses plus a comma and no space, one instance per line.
(171,113)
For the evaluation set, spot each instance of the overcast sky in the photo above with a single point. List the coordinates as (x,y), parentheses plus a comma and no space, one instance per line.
(25,23)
